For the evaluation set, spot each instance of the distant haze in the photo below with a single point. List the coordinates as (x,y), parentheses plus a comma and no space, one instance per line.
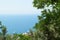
(17,7)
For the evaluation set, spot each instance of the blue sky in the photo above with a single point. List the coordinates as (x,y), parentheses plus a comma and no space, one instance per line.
(17,7)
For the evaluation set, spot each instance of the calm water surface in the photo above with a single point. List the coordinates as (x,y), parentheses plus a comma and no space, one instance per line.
(18,23)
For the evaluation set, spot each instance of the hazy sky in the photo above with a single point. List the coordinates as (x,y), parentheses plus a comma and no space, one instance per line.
(17,7)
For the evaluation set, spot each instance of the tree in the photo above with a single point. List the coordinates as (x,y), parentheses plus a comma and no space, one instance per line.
(4,32)
(3,28)
(48,25)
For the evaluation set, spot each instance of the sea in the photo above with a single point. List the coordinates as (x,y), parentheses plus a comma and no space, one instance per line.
(18,23)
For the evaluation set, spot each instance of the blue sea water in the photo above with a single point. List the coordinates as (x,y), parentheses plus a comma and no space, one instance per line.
(18,23)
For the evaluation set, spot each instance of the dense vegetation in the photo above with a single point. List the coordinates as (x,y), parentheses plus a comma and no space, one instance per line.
(48,26)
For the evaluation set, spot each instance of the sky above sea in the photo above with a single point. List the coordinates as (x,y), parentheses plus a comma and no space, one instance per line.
(18,15)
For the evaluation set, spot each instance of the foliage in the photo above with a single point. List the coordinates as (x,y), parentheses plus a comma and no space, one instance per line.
(41,3)
(3,34)
(18,37)
(48,27)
